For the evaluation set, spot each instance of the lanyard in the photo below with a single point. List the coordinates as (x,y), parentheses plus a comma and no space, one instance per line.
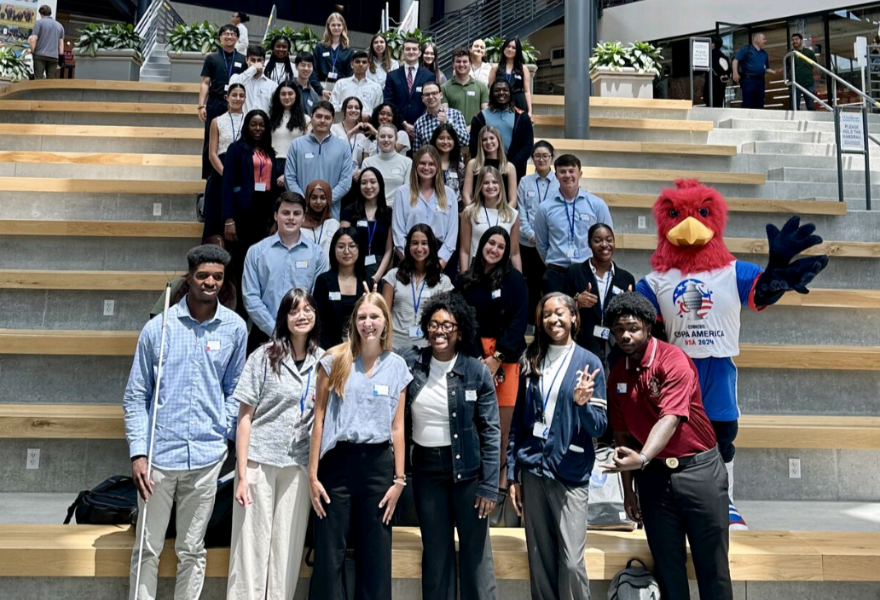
(371,231)
(229,67)
(546,191)
(334,56)
(546,396)
(232,123)
(571,219)
(488,222)
(302,398)
(417,303)
(318,236)
(600,296)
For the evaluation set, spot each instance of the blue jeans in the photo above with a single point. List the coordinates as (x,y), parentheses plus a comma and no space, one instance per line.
(752,92)
(807,100)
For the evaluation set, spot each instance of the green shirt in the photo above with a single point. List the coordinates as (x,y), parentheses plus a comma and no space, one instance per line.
(803,71)
(468,99)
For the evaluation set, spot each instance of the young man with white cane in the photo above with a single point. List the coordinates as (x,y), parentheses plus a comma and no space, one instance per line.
(179,414)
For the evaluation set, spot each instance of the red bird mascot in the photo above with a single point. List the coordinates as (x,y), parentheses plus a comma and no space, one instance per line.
(698,289)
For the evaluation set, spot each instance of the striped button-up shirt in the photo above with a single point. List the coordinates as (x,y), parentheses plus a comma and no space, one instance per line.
(197,413)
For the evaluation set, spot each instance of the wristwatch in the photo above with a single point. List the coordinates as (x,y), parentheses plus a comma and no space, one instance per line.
(645,460)
(498,356)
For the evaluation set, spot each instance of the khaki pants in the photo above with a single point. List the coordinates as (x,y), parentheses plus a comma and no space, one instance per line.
(194,492)
(45,67)
(268,535)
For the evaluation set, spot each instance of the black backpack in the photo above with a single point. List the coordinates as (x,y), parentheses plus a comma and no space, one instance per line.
(111,502)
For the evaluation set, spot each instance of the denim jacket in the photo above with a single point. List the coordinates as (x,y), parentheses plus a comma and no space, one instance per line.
(567,453)
(474,424)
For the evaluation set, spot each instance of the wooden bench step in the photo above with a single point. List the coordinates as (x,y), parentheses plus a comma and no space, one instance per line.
(642,124)
(600,102)
(128,108)
(667,175)
(105,551)
(102,158)
(15,279)
(140,229)
(101,84)
(100,186)
(563,145)
(164,133)
(104,422)
(61,342)
(745,205)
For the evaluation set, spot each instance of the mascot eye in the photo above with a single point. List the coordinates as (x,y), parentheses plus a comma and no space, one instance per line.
(704,212)
(673,213)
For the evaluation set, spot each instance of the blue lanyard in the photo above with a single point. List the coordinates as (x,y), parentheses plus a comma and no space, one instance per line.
(236,135)
(319,236)
(334,56)
(497,218)
(571,219)
(546,396)
(302,398)
(371,231)
(229,67)
(417,303)
(546,191)
(599,295)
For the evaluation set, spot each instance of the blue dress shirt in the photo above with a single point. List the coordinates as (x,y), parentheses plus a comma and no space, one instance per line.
(561,227)
(444,224)
(532,191)
(197,412)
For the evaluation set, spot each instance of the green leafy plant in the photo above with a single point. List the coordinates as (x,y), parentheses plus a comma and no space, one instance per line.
(394,39)
(301,40)
(100,36)
(198,37)
(495,48)
(641,57)
(13,66)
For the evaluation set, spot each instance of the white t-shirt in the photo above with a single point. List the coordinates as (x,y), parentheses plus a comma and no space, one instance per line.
(482,225)
(322,235)
(283,137)
(395,169)
(553,370)
(430,409)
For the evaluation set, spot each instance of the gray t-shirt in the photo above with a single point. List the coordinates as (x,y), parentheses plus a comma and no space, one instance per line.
(404,316)
(365,414)
(48,32)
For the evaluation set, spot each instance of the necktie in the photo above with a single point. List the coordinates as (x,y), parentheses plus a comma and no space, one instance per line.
(409,79)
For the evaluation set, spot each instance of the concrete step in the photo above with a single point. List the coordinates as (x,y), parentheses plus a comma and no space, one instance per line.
(96,118)
(89,143)
(98,95)
(718,115)
(157,79)
(633,135)
(826,175)
(76,309)
(94,253)
(778,125)
(107,171)
(96,206)
(743,136)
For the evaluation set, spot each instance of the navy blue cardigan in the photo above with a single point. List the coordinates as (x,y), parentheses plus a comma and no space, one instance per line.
(567,453)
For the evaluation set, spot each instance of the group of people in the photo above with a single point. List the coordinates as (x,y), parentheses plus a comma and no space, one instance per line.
(389,300)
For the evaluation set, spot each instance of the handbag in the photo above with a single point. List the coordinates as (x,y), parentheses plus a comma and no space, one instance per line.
(504,514)
(605,509)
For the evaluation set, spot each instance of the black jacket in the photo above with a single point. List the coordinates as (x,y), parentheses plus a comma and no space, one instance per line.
(334,318)
(520,146)
(504,318)
(576,280)
(408,104)
(238,180)
(473,419)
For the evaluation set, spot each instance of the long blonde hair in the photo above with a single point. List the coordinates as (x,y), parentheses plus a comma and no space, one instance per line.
(439,186)
(480,160)
(328,37)
(345,353)
(475,209)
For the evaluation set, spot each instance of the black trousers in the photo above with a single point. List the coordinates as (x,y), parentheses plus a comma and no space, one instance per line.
(444,506)
(553,281)
(251,226)
(356,477)
(689,503)
(214,107)
(533,269)
(752,91)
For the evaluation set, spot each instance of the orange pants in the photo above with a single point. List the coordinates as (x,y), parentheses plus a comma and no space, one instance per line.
(506,391)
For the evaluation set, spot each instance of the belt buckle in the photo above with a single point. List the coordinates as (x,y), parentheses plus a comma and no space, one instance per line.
(672,463)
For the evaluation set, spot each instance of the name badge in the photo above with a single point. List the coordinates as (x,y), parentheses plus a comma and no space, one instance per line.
(309,156)
(380,390)
(518,76)
(471,93)
(438,209)
(309,102)
(259,187)
(237,65)
(496,294)
(302,264)
(213,345)
(572,252)
(583,217)
(530,194)
(370,259)
(226,88)
(419,89)
(335,295)
(363,224)
(470,395)
(415,332)
(621,388)
(327,53)
(601,332)
(616,290)
(541,430)
(333,76)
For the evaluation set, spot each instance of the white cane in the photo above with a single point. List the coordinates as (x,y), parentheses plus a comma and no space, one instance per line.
(142,517)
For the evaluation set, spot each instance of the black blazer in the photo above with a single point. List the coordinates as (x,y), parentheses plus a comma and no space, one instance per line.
(238,180)
(520,146)
(408,105)
(334,318)
(576,280)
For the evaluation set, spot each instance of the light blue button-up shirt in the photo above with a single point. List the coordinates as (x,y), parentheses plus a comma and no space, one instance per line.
(330,160)
(197,412)
(561,227)
(444,224)
(271,269)
(531,192)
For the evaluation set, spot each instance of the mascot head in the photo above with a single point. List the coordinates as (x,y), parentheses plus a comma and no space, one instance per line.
(690,222)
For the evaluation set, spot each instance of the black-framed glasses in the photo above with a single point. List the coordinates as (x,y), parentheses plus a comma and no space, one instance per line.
(445,326)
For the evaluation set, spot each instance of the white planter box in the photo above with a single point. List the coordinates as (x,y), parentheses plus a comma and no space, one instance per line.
(118,65)
(622,84)
(186,67)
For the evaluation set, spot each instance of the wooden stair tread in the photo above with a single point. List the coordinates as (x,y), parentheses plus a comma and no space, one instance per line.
(148,229)
(24,279)
(130,108)
(600,102)
(101,158)
(64,342)
(762,205)
(621,123)
(100,186)
(565,145)
(101,84)
(35,129)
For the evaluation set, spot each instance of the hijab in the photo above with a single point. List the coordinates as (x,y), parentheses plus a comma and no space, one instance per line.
(313,219)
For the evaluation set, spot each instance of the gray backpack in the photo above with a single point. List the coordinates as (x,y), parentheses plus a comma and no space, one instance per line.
(634,583)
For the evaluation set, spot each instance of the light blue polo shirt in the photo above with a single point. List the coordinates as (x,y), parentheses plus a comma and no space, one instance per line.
(561,227)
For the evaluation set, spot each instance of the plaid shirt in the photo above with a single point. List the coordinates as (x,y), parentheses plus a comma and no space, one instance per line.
(197,412)
(427,123)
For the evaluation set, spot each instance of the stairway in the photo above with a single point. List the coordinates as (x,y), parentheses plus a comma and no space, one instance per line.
(157,67)
(97,205)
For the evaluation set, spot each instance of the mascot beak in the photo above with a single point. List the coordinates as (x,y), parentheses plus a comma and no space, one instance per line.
(690,232)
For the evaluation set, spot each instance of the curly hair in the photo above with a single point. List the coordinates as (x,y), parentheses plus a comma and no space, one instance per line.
(630,304)
(464,314)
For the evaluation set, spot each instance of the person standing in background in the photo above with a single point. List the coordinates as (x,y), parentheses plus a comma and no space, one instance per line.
(512,69)
(318,226)
(431,61)
(204,357)
(394,166)
(480,70)
(463,92)
(239,19)
(304,64)
(339,289)
(47,45)
(225,131)
(287,122)
(381,62)
(256,81)
(437,114)
(803,71)
(445,140)
(371,216)
(403,86)
(749,68)
(332,54)
(279,68)
(358,85)
(720,74)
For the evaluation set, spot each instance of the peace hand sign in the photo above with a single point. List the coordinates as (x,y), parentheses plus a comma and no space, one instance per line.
(375,289)
(583,391)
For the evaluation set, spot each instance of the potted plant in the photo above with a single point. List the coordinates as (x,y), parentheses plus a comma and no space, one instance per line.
(187,47)
(13,67)
(109,52)
(495,49)
(301,40)
(625,72)
(394,40)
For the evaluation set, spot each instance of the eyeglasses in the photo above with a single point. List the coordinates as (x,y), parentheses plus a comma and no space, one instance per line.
(430,94)
(308,313)
(445,326)
(542,156)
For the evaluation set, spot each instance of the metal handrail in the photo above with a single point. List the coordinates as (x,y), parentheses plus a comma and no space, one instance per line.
(159,19)
(835,78)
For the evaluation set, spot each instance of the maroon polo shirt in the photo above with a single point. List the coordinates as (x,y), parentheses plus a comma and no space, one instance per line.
(665,383)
